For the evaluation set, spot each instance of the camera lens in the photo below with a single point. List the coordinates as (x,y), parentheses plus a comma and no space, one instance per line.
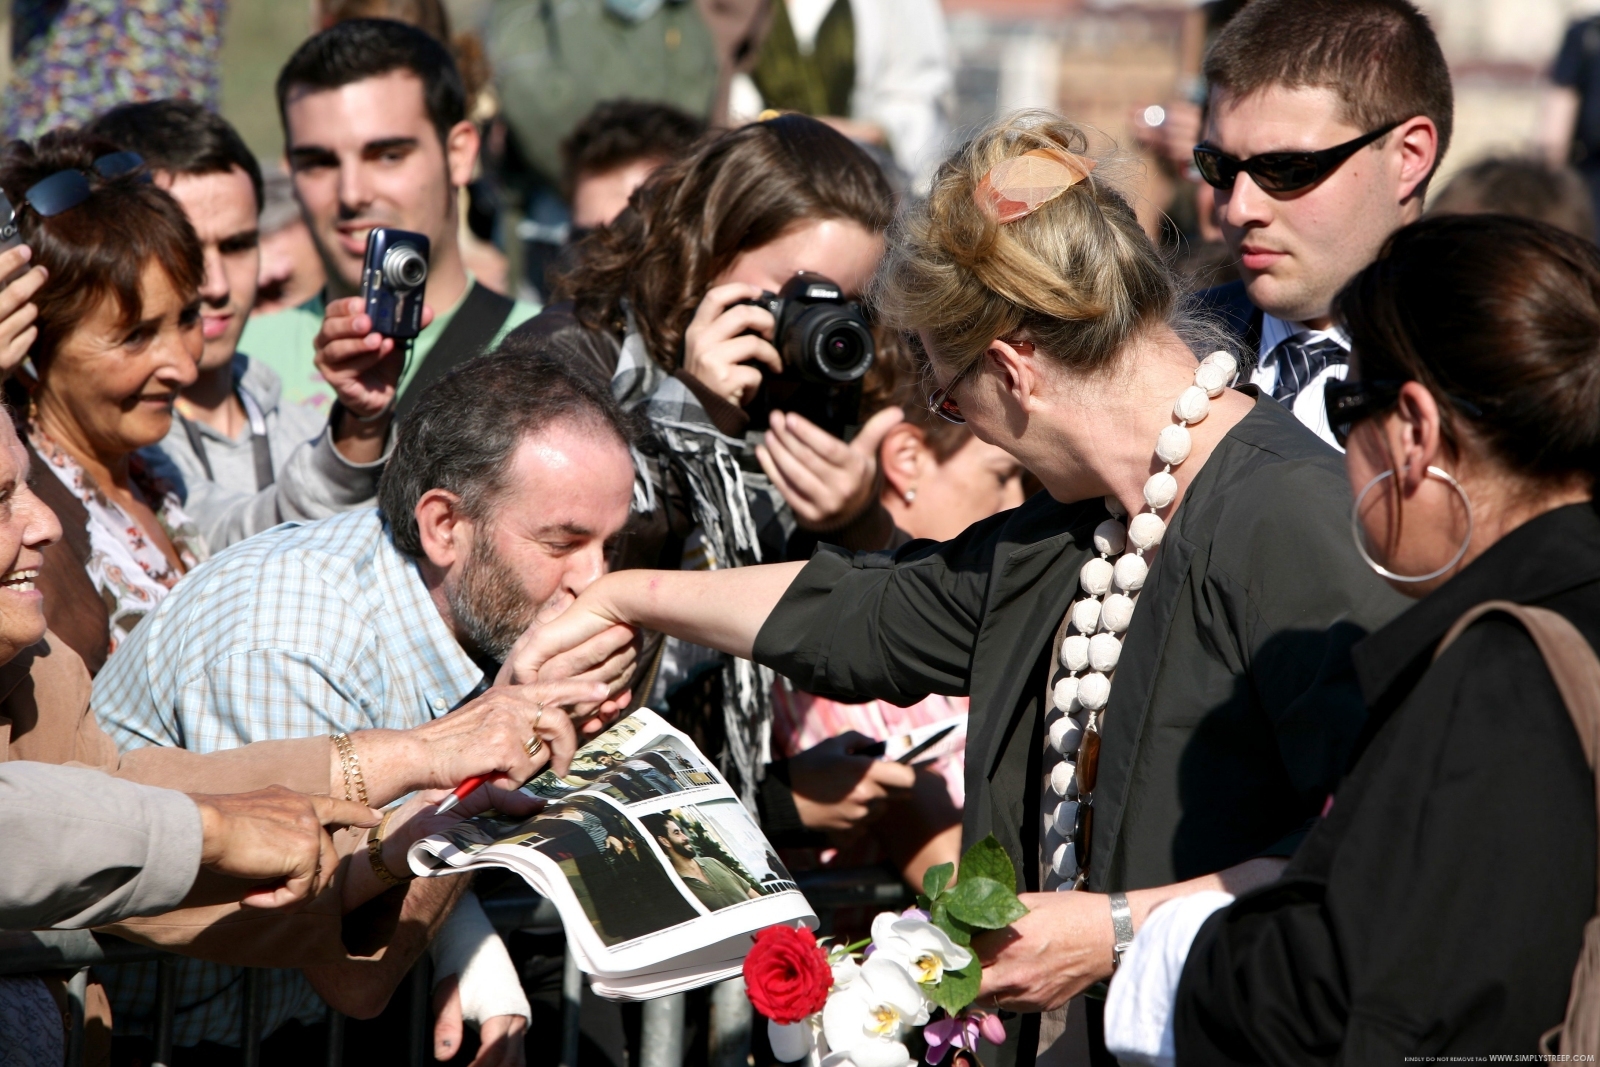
(404,267)
(827,343)
(841,350)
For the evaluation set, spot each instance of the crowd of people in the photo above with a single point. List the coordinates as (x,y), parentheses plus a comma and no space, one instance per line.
(274,584)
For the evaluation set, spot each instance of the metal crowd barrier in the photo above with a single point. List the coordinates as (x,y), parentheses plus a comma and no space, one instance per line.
(662,1037)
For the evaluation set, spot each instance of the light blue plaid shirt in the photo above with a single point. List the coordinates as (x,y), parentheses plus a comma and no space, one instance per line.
(301,630)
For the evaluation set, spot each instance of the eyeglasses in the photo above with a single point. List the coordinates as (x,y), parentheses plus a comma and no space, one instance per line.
(1279,172)
(1348,403)
(66,189)
(942,404)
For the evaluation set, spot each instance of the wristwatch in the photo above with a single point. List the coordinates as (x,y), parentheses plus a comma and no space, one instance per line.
(1121,927)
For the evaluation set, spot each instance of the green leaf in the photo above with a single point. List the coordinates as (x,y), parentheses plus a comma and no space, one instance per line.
(984,903)
(959,932)
(934,879)
(988,859)
(956,989)
(923,902)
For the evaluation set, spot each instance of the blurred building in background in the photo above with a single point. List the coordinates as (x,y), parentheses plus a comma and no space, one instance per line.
(1104,62)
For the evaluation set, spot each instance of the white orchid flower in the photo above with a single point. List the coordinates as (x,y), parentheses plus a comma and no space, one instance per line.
(866,1022)
(922,947)
(845,972)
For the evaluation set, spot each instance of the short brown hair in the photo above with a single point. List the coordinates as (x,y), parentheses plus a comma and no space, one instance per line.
(1380,57)
(464,432)
(619,132)
(1500,312)
(1522,186)
(102,246)
(684,226)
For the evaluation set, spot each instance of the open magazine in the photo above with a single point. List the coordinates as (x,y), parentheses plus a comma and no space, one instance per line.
(659,872)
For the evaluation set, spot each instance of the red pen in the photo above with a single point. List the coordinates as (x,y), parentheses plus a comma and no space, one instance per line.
(461,793)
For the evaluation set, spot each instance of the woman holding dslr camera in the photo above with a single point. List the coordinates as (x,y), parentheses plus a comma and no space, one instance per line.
(662,303)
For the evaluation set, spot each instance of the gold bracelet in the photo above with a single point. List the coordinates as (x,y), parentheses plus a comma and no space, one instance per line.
(350,763)
(375,853)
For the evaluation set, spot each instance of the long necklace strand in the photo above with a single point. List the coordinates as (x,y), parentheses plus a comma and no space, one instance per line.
(1100,616)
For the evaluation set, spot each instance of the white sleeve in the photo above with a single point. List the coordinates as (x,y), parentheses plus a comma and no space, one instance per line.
(467,945)
(904,80)
(1139,1007)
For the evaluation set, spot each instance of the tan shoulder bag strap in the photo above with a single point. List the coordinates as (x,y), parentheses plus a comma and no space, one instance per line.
(1576,671)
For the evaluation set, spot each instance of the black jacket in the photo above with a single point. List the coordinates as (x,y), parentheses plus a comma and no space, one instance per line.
(1439,907)
(1230,304)
(1234,709)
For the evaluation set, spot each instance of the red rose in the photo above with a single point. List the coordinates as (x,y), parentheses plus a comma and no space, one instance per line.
(787,974)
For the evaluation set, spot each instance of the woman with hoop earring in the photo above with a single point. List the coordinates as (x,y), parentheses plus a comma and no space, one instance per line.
(1439,907)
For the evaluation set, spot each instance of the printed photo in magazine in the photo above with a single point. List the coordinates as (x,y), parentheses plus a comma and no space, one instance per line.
(659,872)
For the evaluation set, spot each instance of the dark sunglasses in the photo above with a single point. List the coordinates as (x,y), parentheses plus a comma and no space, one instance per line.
(940,402)
(66,189)
(1279,172)
(1349,402)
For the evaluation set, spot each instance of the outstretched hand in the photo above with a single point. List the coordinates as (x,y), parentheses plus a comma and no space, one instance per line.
(584,645)
(276,836)
(500,1039)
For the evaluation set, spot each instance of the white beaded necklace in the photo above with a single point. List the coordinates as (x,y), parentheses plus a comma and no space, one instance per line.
(1100,616)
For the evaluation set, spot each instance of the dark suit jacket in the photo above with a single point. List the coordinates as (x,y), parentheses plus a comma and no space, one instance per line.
(1233,712)
(1231,304)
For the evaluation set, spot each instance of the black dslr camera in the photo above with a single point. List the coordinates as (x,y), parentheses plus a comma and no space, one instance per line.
(826,345)
(392,279)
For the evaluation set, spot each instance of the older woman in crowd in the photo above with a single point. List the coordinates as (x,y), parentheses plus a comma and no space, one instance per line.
(1438,909)
(110,339)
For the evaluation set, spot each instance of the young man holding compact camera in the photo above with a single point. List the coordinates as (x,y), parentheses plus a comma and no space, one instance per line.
(241,460)
(376,135)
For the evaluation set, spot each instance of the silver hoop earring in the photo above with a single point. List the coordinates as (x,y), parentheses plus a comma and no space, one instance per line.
(1360,535)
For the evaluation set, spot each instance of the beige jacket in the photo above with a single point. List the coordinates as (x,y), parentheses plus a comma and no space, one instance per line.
(45,717)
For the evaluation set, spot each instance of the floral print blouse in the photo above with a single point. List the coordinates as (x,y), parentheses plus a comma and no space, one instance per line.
(131,572)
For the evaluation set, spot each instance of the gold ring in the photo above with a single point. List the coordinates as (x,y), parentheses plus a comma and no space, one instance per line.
(533,745)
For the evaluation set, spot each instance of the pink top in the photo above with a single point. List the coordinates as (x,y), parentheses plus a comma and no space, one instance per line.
(801,720)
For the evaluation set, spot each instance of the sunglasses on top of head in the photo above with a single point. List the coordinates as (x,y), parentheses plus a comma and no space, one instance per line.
(1279,172)
(66,189)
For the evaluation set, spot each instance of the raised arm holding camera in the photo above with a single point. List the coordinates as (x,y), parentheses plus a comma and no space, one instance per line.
(377,136)
(721,304)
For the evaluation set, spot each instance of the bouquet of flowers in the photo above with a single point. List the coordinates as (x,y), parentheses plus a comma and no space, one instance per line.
(854,1005)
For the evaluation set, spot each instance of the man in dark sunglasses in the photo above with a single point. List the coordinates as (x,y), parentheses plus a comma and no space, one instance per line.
(1324,123)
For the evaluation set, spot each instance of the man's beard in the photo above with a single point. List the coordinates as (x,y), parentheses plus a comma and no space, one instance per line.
(490,606)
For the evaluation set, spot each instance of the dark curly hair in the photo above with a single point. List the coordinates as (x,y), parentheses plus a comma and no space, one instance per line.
(684,226)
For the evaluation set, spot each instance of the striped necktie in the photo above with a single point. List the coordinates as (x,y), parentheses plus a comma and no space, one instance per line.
(1298,363)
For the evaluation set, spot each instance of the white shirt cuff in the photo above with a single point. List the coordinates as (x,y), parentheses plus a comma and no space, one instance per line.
(1138,1017)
